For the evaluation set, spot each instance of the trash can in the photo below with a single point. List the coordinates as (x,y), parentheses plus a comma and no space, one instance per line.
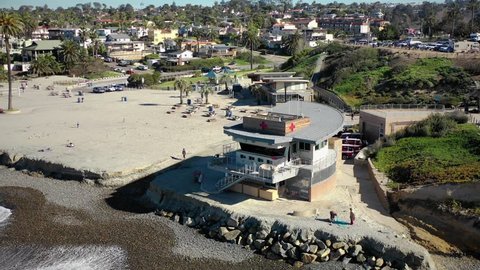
(189,102)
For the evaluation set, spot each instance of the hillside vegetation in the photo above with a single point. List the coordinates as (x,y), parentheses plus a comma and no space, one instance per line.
(440,149)
(375,76)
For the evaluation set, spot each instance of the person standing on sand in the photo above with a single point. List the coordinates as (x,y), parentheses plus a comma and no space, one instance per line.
(184,153)
(352,217)
(333,216)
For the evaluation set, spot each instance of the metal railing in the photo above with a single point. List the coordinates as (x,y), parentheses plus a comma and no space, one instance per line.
(440,107)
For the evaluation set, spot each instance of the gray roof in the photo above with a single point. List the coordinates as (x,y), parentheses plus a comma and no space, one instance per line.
(326,121)
(118,36)
(44,45)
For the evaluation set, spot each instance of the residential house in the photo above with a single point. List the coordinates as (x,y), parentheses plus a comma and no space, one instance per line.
(283,29)
(121,47)
(137,32)
(40,33)
(64,33)
(179,58)
(304,24)
(193,45)
(118,38)
(218,50)
(103,32)
(349,24)
(287,152)
(40,47)
(159,35)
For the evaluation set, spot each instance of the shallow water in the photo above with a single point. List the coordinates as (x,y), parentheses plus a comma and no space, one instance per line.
(63,257)
(4,215)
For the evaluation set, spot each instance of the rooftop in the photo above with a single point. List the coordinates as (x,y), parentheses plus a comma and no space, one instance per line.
(325,121)
(44,45)
(406,114)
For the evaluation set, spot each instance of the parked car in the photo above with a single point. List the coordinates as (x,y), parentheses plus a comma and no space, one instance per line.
(110,88)
(445,49)
(119,70)
(108,60)
(205,70)
(119,87)
(98,90)
(142,67)
(130,71)
(124,63)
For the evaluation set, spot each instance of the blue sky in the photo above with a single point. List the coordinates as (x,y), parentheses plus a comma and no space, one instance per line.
(136,3)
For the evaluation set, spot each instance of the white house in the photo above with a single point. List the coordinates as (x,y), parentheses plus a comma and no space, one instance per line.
(179,57)
(283,29)
(118,38)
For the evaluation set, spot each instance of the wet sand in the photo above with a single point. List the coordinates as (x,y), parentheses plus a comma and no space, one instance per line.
(148,240)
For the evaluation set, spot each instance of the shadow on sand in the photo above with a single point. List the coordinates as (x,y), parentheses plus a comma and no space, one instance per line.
(177,177)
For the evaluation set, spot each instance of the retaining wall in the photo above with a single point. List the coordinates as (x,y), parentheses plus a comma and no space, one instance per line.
(379,182)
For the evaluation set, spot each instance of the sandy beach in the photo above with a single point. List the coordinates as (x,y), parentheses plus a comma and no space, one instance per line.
(146,133)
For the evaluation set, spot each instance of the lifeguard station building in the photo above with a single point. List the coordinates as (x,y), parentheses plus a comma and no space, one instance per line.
(287,152)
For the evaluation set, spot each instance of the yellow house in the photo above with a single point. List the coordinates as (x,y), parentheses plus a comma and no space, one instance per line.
(160,35)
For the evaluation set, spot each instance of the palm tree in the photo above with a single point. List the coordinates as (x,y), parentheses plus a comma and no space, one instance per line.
(84,35)
(226,79)
(473,5)
(70,53)
(92,34)
(10,26)
(45,64)
(453,13)
(207,91)
(198,33)
(293,43)
(181,85)
(250,39)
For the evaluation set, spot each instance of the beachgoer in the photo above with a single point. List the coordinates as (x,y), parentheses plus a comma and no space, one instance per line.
(333,216)
(352,116)
(184,153)
(78,124)
(352,217)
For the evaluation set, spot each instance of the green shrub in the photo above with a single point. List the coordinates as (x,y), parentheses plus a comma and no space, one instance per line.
(458,116)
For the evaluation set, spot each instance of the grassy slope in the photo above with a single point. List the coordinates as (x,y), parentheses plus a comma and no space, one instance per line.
(306,66)
(354,86)
(452,158)
(423,73)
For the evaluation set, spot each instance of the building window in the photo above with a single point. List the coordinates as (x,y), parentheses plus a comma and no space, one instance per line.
(260,160)
(294,148)
(307,147)
(251,158)
(301,146)
(242,156)
(317,146)
(269,161)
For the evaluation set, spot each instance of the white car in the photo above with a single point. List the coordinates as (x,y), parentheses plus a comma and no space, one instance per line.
(142,68)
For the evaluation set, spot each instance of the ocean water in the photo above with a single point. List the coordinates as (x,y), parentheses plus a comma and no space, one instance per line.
(88,257)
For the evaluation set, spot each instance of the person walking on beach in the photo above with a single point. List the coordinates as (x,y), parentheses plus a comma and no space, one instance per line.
(184,153)
(333,216)
(352,217)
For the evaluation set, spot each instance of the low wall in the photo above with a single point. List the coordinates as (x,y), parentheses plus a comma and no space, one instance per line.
(469,192)
(319,190)
(379,182)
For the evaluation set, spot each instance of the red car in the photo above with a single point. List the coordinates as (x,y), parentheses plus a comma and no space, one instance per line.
(130,71)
